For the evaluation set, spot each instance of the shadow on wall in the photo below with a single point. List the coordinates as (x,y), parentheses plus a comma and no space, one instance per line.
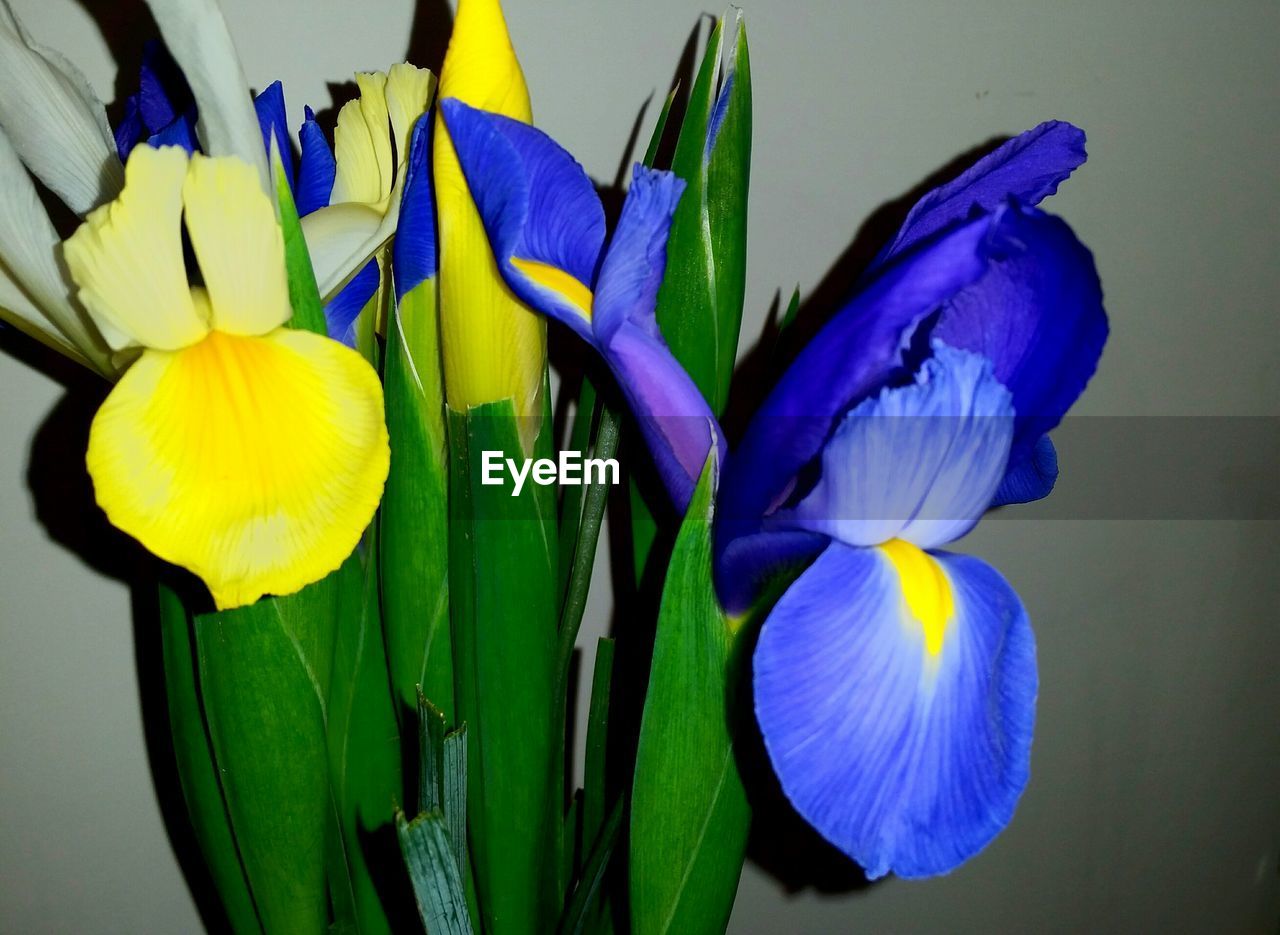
(781,842)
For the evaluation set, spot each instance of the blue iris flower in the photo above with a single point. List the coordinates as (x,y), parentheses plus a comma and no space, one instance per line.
(895,683)
(546,227)
(162,112)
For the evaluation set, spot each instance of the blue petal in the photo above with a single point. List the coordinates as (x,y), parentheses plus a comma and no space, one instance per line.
(1037,315)
(1032,478)
(536,202)
(182,132)
(1028,168)
(274,122)
(317,168)
(162,89)
(718,111)
(130,130)
(415,259)
(919,462)
(673,415)
(675,419)
(851,357)
(162,100)
(636,260)
(906,761)
(343,309)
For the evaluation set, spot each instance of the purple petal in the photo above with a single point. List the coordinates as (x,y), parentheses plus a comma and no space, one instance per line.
(676,421)
(1027,168)
(1037,315)
(849,358)
(636,260)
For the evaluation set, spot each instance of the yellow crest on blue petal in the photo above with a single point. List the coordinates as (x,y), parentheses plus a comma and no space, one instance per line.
(925,589)
(563,283)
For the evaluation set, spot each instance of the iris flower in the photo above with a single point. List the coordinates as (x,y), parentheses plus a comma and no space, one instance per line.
(350,202)
(546,227)
(350,198)
(249,453)
(343,238)
(895,683)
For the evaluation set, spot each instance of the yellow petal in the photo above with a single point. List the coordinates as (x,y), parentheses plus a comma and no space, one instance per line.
(127,257)
(255,462)
(362,146)
(494,347)
(238,243)
(408,94)
(480,65)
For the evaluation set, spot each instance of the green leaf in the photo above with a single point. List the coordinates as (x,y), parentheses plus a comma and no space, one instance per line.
(304,295)
(588,890)
(264,675)
(363,740)
(793,310)
(700,302)
(595,499)
(196,771)
(595,790)
(586,416)
(442,784)
(442,902)
(689,811)
(701,298)
(504,607)
(660,128)
(414,517)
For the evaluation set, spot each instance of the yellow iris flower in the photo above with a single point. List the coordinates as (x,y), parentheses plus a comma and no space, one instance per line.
(251,454)
(364,205)
(494,347)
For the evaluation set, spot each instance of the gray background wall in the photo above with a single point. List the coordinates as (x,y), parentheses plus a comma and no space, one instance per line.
(1155,798)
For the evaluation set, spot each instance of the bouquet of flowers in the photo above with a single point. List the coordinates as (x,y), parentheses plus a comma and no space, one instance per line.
(331,418)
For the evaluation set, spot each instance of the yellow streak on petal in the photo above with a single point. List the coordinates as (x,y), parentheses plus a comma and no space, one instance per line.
(255,462)
(362,146)
(925,589)
(238,243)
(127,257)
(569,287)
(494,347)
